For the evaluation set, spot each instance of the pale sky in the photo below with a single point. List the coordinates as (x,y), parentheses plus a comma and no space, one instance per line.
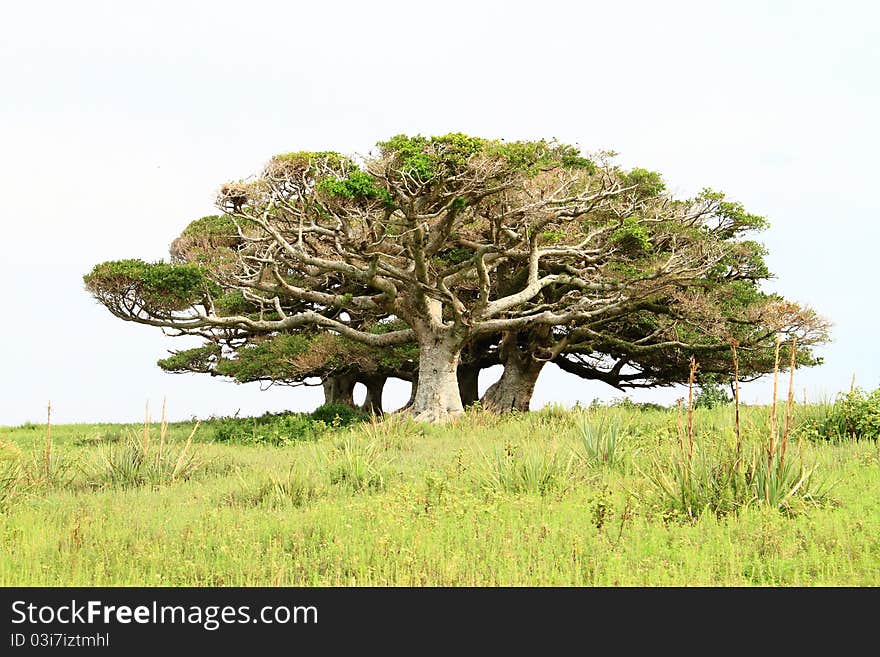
(119,121)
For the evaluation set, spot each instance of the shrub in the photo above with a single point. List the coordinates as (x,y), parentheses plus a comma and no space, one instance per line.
(860,412)
(271,429)
(855,414)
(711,395)
(626,404)
(338,414)
(821,420)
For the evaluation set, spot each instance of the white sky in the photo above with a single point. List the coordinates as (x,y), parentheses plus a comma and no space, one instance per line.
(118,122)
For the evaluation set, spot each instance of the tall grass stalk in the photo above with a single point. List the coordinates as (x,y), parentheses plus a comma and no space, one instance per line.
(679,427)
(774,420)
(691,379)
(47,455)
(146,439)
(163,427)
(733,345)
(789,402)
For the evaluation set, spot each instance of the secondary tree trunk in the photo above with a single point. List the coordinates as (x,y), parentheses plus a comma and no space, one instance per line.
(412,393)
(437,398)
(513,391)
(339,390)
(373,401)
(468,378)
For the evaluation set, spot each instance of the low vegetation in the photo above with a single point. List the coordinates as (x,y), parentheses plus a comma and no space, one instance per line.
(606,495)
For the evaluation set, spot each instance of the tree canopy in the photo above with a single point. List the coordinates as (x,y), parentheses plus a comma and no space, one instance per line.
(530,251)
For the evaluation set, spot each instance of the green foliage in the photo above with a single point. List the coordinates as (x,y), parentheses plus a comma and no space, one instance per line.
(820,421)
(531,471)
(784,484)
(553,236)
(199,359)
(602,441)
(12,482)
(412,155)
(716,481)
(425,158)
(434,157)
(734,213)
(135,462)
(294,356)
(853,415)
(742,221)
(859,412)
(270,429)
(232,303)
(285,428)
(745,261)
(211,226)
(647,183)
(631,237)
(272,358)
(358,185)
(315,159)
(437,520)
(292,489)
(358,466)
(338,415)
(627,404)
(158,285)
(532,156)
(706,482)
(711,395)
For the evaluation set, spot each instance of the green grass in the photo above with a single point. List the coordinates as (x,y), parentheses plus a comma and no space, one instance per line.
(546,498)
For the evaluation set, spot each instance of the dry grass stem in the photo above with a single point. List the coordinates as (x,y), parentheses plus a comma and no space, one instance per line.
(774,420)
(691,379)
(736,427)
(47,461)
(163,428)
(146,441)
(789,401)
(679,428)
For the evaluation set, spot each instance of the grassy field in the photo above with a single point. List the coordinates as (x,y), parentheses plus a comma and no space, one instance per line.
(606,496)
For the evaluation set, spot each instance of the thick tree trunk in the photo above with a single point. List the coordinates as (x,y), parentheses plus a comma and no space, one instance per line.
(373,401)
(513,391)
(437,398)
(339,390)
(468,378)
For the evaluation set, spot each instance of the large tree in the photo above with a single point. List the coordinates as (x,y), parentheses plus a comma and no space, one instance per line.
(458,238)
